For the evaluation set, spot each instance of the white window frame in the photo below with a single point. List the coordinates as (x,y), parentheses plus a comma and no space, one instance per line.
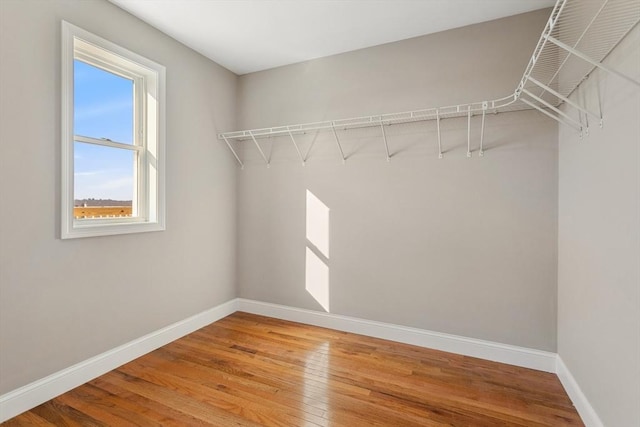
(148,141)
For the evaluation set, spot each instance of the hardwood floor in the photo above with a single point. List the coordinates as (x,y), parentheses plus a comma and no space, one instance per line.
(248,370)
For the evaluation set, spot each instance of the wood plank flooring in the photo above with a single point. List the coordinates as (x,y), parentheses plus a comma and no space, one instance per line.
(248,370)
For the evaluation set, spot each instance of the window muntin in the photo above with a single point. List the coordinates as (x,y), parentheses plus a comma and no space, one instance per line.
(112,139)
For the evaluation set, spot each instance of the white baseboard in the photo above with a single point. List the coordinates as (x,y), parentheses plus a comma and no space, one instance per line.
(587,413)
(32,395)
(504,353)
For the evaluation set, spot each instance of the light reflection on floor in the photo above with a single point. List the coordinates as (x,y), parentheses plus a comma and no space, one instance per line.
(316,378)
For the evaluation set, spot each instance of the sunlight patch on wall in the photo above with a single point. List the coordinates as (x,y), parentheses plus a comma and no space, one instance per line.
(317,279)
(318,223)
(317,250)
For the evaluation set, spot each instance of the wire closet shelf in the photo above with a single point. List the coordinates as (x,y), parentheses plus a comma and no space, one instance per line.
(578,36)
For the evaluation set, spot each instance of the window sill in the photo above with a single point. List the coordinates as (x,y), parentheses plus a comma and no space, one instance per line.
(102,229)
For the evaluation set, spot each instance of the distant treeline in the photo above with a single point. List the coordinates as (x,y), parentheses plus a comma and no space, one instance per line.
(102,202)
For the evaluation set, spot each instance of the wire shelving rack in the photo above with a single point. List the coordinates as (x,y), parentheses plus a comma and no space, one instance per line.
(577,37)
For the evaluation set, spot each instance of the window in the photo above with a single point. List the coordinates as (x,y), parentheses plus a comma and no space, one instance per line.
(112,138)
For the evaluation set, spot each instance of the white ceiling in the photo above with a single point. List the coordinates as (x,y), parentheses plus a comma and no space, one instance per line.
(252,35)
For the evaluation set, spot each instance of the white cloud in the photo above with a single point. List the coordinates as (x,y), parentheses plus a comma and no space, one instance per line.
(90,185)
(124,183)
(97,110)
(87,173)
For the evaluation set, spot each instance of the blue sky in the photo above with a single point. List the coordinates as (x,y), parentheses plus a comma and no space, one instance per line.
(103,108)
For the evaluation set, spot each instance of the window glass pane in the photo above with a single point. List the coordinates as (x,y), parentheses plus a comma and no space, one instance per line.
(103,104)
(104,180)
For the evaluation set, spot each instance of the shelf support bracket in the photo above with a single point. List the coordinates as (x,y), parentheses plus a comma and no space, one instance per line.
(586,116)
(557,110)
(384,138)
(304,161)
(233,151)
(439,139)
(545,112)
(335,135)
(469,131)
(485,105)
(589,60)
(259,148)
(564,98)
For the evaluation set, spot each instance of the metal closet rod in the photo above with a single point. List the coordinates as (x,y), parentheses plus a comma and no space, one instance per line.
(460,110)
(438,113)
(521,94)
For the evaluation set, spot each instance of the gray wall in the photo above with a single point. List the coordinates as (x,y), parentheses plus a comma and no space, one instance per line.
(462,246)
(599,245)
(62,302)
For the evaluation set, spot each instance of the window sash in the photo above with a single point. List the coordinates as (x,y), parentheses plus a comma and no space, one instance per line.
(139,106)
(139,167)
